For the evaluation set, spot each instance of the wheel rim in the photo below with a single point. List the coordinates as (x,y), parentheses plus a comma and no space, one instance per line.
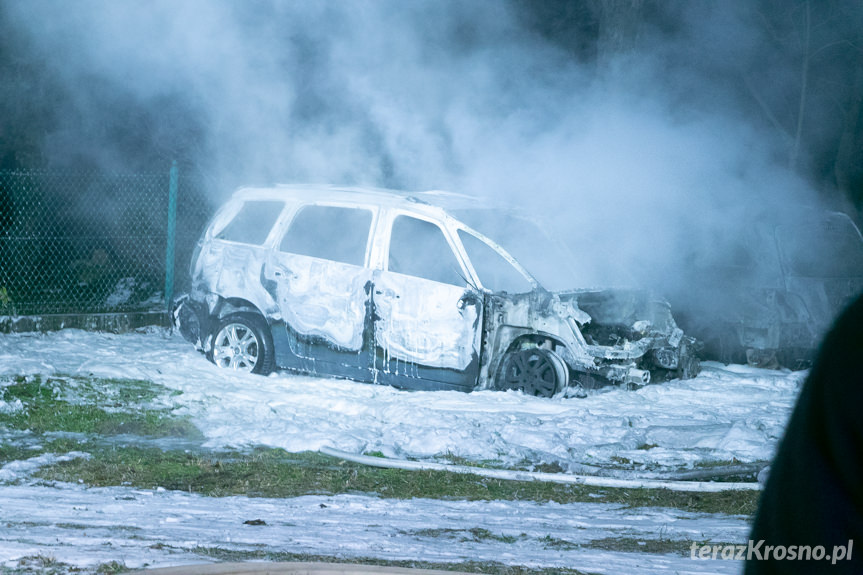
(236,347)
(535,372)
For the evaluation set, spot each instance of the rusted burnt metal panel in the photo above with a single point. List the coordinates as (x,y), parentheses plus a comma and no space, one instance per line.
(606,333)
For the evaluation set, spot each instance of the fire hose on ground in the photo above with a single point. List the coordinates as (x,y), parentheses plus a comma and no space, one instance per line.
(677,482)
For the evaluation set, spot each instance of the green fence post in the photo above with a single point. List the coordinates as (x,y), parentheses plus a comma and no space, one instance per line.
(172,228)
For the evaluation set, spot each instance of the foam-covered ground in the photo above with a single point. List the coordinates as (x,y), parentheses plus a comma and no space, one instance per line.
(726,413)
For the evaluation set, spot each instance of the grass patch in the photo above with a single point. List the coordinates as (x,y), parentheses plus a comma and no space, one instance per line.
(722,463)
(453,459)
(92,406)
(659,546)
(630,545)
(475,534)
(479,534)
(553,467)
(226,555)
(276,473)
(550,542)
(98,407)
(523,465)
(47,565)
(15,452)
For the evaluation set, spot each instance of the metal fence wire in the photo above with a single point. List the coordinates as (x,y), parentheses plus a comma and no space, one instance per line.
(88,242)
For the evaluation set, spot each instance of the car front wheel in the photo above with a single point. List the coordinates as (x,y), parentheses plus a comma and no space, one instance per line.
(534,371)
(242,342)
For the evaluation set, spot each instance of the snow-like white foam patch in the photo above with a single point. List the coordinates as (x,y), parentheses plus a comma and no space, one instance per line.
(17,470)
(11,406)
(83,527)
(726,413)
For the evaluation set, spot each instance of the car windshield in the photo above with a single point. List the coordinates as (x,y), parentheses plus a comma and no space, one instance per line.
(544,257)
(831,249)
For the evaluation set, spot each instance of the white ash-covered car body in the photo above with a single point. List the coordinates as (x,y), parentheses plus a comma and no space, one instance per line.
(390,287)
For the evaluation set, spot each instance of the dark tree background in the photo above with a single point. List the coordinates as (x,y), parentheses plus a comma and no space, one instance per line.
(802,78)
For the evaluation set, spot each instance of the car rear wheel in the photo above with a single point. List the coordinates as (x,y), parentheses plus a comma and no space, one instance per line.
(242,342)
(534,371)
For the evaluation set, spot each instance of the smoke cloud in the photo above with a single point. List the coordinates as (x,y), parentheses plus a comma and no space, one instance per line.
(633,157)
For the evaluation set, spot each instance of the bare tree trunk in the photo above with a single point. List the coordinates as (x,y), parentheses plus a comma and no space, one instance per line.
(804,85)
(619,23)
(846,167)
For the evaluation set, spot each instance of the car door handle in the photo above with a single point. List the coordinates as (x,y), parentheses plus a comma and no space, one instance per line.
(283,271)
(468,299)
(387,293)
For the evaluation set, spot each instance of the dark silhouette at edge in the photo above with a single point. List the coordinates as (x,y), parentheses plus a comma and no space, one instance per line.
(814,492)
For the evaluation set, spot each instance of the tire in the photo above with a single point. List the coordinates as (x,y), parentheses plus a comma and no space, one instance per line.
(242,342)
(534,371)
(689,368)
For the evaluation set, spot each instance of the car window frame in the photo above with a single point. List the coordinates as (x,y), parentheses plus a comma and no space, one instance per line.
(287,217)
(223,218)
(534,284)
(382,249)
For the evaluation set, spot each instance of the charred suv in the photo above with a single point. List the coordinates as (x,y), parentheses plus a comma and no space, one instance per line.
(769,297)
(405,289)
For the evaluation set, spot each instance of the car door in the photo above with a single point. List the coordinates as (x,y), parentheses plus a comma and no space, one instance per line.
(427,319)
(322,289)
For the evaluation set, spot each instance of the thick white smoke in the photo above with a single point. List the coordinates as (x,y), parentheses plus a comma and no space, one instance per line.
(632,161)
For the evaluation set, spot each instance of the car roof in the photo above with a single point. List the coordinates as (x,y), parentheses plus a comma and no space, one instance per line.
(358,194)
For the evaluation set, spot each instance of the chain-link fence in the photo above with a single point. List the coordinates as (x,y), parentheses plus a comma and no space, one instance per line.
(76,243)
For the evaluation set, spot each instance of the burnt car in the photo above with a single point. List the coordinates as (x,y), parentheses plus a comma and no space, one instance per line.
(768,298)
(398,288)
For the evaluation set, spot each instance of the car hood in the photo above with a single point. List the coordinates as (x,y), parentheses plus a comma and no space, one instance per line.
(614,323)
(621,306)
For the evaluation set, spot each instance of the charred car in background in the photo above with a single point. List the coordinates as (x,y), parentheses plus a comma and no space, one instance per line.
(775,291)
(396,288)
